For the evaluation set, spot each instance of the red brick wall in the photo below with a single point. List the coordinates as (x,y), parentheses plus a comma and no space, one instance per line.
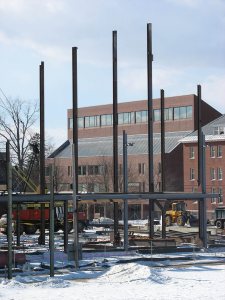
(210,163)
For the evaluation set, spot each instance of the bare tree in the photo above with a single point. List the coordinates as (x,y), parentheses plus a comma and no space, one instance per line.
(16,120)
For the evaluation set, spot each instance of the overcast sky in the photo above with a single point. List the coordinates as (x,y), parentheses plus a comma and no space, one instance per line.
(188,47)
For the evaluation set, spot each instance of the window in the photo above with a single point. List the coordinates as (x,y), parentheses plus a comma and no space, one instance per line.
(95,170)
(92,121)
(189,112)
(191,153)
(126,118)
(213,191)
(80,122)
(69,171)
(220,192)
(141,168)
(212,151)
(213,174)
(219,151)
(70,123)
(182,112)
(219,174)
(157,115)
(168,113)
(141,116)
(47,171)
(218,130)
(82,187)
(82,170)
(106,120)
(192,174)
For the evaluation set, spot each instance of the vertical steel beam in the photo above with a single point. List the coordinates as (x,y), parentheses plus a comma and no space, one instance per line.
(42,152)
(75,113)
(65,225)
(115,130)
(51,224)
(18,224)
(9,212)
(75,154)
(203,208)
(201,173)
(125,189)
(162,142)
(200,145)
(163,159)
(150,128)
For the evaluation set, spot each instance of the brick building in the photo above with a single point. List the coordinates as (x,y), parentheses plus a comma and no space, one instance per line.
(214,163)
(95,150)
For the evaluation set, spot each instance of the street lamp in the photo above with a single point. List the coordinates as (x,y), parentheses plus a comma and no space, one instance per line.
(125,187)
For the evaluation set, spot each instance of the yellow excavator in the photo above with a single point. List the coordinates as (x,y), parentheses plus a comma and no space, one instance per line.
(177,214)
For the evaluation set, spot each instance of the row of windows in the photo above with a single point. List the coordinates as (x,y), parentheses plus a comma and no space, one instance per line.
(214,174)
(214,190)
(100,170)
(172,113)
(87,170)
(215,151)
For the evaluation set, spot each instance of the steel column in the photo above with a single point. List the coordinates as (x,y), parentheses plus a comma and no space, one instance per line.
(9,212)
(125,189)
(163,160)
(75,154)
(18,224)
(150,128)
(51,223)
(65,225)
(115,130)
(162,143)
(42,153)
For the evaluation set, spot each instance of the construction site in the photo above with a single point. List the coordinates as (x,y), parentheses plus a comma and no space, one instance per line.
(37,223)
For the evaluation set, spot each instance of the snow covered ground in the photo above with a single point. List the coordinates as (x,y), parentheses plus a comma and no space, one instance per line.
(166,279)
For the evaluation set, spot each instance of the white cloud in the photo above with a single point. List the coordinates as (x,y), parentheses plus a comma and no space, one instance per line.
(46,51)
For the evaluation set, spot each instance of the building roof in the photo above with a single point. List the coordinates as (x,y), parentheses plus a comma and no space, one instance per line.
(103,146)
(209,131)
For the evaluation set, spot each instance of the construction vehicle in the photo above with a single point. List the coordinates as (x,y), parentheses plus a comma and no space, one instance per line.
(178,214)
(30,216)
(220,217)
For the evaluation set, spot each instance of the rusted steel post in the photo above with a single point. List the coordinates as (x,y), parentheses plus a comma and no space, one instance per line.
(42,153)
(150,128)
(115,131)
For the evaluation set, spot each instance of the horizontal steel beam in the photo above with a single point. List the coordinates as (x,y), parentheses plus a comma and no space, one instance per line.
(108,196)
